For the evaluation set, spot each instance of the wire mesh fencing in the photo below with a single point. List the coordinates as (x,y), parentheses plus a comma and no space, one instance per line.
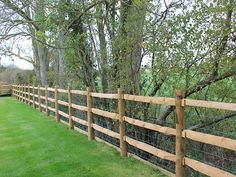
(148,122)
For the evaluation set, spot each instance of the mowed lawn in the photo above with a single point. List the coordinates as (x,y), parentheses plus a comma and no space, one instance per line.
(33,145)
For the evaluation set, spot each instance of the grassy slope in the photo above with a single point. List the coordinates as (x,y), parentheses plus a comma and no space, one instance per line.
(32,144)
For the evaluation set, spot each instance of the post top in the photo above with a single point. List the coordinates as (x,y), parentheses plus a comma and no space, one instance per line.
(89,89)
(179,94)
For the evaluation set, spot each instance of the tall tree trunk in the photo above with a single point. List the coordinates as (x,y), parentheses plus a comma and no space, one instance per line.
(103,48)
(36,57)
(40,33)
(131,38)
(31,30)
(61,62)
(42,52)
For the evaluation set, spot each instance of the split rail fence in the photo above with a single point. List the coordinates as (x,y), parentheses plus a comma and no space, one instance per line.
(28,94)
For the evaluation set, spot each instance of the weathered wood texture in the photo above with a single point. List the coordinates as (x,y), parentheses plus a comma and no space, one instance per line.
(57,117)
(121,108)
(91,135)
(206,169)
(210,104)
(39,98)
(46,100)
(71,122)
(150,149)
(223,142)
(106,114)
(180,149)
(150,126)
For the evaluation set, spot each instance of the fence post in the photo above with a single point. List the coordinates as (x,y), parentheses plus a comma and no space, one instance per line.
(23,93)
(21,99)
(46,100)
(71,123)
(33,97)
(39,99)
(29,94)
(91,135)
(20,93)
(56,104)
(121,109)
(16,91)
(180,145)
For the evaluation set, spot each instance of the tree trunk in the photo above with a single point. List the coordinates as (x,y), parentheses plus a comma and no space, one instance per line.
(130,53)
(43,64)
(40,34)
(103,50)
(61,62)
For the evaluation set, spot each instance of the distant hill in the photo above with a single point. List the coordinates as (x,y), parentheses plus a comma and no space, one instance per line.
(12,74)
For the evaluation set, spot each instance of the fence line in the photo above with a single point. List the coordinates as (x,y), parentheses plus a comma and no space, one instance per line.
(27,94)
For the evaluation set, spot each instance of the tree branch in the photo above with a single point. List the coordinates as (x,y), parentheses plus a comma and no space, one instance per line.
(19,11)
(81,14)
(216,120)
(198,87)
(9,53)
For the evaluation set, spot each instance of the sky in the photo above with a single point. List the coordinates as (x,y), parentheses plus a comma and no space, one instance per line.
(22,47)
(16,62)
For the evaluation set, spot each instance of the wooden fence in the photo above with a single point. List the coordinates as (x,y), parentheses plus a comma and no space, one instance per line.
(5,89)
(27,94)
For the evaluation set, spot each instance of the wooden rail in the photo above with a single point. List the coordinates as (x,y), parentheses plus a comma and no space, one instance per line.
(223,142)
(107,114)
(29,94)
(106,131)
(154,127)
(206,169)
(152,100)
(150,149)
(103,95)
(80,121)
(209,104)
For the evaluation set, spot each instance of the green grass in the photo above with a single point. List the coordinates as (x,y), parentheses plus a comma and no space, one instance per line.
(32,145)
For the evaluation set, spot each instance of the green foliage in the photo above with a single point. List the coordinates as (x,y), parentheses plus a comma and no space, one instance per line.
(25,77)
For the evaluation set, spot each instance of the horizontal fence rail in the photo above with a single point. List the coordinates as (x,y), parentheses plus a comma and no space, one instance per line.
(47,100)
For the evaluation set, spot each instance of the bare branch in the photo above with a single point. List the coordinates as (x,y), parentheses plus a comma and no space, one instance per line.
(20,12)
(215,120)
